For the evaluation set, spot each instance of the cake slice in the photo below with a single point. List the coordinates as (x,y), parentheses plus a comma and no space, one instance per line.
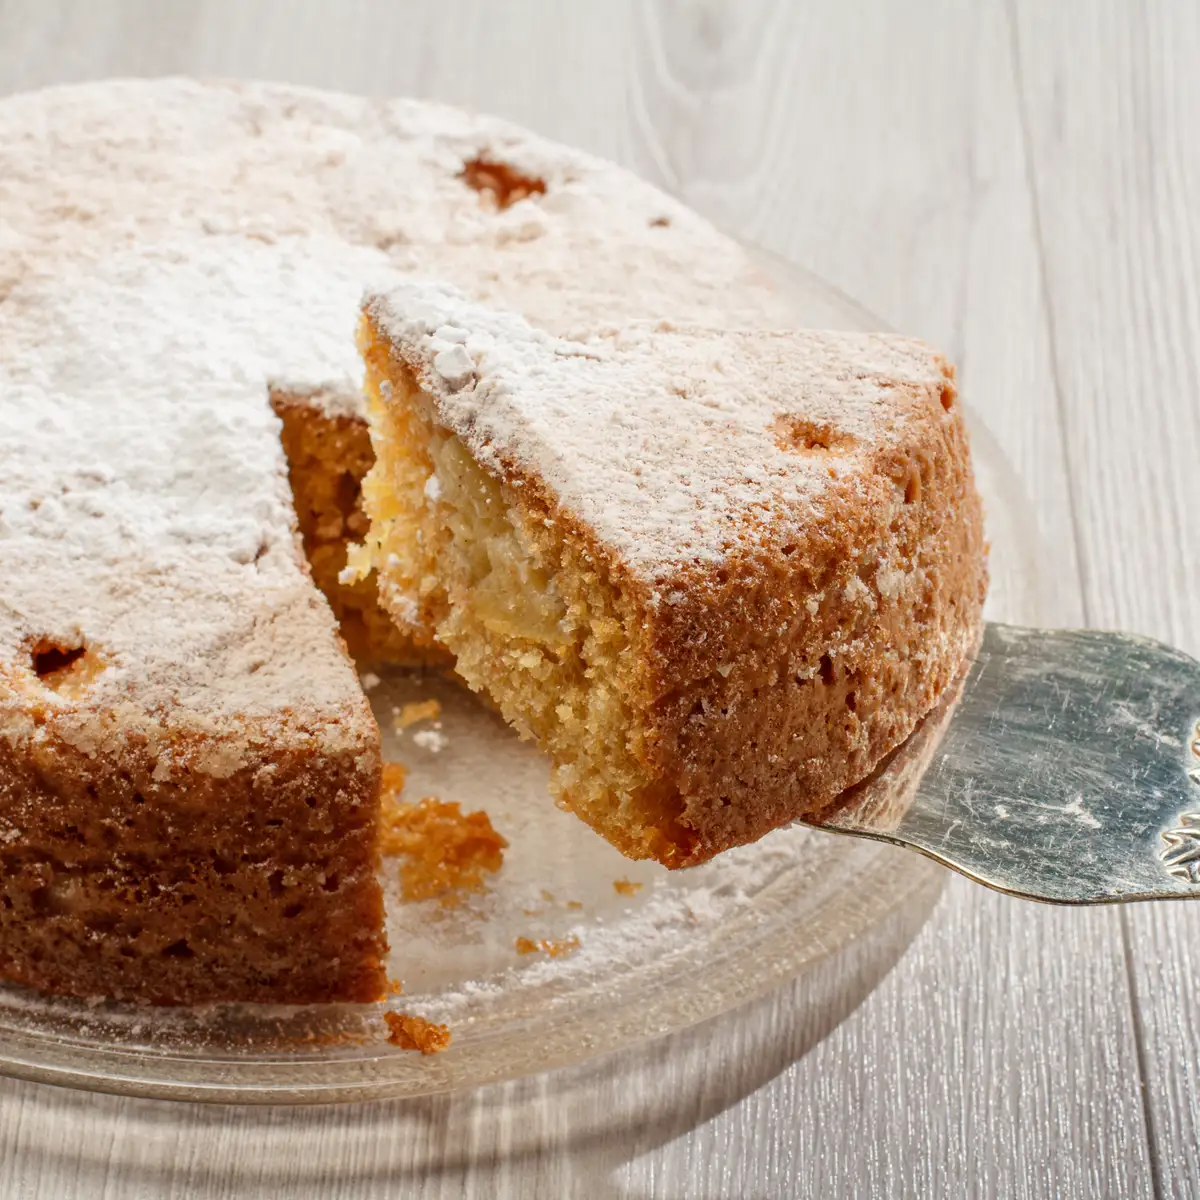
(188,768)
(716,575)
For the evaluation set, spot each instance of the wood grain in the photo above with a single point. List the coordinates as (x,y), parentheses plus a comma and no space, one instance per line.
(1009,180)
(1116,164)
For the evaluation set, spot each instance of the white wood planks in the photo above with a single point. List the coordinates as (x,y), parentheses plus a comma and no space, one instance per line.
(1014,182)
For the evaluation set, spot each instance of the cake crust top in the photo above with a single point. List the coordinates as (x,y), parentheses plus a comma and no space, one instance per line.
(675,443)
(516,220)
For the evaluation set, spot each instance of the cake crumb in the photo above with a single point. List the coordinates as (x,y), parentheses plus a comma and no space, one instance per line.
(574,905)
(554,947)
(626,887)
(547,895)
(395,987)
(391,781)
(416,1033)
(370,681)
(445,851)
(418,710)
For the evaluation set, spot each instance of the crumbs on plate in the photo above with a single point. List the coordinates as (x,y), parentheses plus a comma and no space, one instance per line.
(445,852)
(419,710)
(391,781)
(415,1033)
(554,947)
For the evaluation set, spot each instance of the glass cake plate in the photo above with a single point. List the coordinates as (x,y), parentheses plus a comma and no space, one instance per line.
(656,953)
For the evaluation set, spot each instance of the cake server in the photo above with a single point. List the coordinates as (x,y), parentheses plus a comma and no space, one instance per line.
(1064,765)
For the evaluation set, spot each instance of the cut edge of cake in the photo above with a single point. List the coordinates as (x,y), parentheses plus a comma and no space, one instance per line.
(329,453)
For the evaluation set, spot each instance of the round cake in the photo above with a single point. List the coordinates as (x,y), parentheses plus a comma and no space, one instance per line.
(188,770)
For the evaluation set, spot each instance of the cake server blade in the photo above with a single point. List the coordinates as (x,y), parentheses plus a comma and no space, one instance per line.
(1064,765)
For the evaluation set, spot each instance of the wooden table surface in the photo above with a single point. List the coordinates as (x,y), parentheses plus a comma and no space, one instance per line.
(1013,180)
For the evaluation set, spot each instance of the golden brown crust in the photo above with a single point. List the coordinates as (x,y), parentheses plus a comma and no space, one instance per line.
(750,722)
(762,711)
(258,886)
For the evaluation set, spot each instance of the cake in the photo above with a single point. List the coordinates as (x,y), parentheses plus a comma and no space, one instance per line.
(717,575)
(188,770)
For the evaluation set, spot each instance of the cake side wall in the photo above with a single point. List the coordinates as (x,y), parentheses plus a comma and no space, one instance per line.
(257,885)
(786,674)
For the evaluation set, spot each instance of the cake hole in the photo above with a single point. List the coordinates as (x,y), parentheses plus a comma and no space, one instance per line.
(912,486)
(331,883)
(828,676)
(503,183)
(293,910)
(852,702)
(49,659)
(179,949)
(275,883)
(64,668)
(348,491)
(810,437)
(947,395)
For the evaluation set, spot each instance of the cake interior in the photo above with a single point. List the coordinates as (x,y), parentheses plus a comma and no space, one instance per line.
(328,454)
(535,621)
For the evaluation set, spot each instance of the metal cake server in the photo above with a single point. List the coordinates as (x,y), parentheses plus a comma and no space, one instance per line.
(1063,766)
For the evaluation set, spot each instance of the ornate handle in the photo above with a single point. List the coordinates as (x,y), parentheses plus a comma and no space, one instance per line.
(1181,854)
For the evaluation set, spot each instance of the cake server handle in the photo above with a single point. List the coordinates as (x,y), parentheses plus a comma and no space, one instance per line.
(1063,766)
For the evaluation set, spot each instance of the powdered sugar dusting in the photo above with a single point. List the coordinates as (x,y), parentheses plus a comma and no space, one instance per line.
(142,482)
(90,166)
(664,438)
(171,248)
